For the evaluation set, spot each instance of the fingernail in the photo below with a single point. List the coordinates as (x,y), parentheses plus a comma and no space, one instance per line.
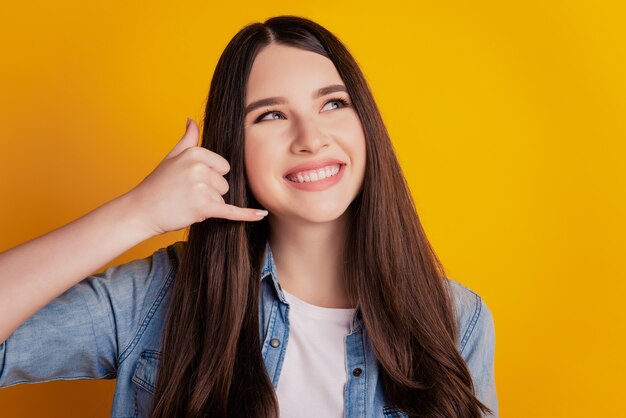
(261,212)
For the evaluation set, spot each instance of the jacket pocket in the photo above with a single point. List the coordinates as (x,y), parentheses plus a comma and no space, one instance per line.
(393,413)
(144,379)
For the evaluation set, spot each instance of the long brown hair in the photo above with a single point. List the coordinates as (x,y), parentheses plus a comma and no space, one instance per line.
(211,364)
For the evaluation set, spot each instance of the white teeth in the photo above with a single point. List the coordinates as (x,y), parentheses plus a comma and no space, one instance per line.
(314,175)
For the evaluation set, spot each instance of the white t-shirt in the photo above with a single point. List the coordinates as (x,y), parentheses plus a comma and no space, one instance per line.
(313,375)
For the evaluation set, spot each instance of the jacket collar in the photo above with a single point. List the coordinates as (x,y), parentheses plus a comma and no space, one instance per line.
(269,269)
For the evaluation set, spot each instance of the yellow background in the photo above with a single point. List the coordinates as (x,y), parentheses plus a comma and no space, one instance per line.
(508,118)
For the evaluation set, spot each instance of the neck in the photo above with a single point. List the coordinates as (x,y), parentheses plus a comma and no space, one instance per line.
(309,260)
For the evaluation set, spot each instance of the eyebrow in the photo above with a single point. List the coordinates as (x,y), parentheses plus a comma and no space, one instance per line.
(270,101)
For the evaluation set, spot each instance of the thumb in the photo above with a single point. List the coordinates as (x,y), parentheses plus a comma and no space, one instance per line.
(189,139)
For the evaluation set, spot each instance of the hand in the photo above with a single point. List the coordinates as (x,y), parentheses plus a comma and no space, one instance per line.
(187,187)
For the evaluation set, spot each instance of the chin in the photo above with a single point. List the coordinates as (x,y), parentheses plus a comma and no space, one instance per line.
(306,215)
(321,219)
(323,215)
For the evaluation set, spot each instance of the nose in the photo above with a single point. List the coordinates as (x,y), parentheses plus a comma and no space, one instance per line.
(308,138)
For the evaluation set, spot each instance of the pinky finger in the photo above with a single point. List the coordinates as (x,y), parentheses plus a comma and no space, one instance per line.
(235,213)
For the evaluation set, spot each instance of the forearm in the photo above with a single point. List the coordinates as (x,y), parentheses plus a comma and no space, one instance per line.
(34,273)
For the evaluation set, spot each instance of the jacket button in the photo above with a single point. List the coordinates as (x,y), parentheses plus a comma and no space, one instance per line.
(274,342)
(357,372)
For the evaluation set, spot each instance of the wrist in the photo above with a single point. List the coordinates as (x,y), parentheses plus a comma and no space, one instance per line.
(134,220)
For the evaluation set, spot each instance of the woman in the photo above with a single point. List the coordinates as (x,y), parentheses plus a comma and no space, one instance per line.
(334,304)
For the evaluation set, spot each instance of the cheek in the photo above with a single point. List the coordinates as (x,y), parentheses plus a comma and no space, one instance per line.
(263,149)
(353,136)
(253,157)
(258,163)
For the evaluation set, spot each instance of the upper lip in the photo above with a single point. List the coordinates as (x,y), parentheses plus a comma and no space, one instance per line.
(314,165)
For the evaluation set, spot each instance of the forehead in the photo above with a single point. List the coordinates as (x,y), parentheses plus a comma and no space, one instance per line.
(284,70)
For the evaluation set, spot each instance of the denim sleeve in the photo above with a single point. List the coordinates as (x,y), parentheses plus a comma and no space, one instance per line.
(476,336)
(87,331)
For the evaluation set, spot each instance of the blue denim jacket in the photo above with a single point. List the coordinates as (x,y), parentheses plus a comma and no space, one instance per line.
(109,326)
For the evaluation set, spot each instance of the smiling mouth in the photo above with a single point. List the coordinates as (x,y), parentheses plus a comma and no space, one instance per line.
(311,176)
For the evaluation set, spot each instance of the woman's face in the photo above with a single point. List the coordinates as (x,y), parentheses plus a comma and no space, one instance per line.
(304,148)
